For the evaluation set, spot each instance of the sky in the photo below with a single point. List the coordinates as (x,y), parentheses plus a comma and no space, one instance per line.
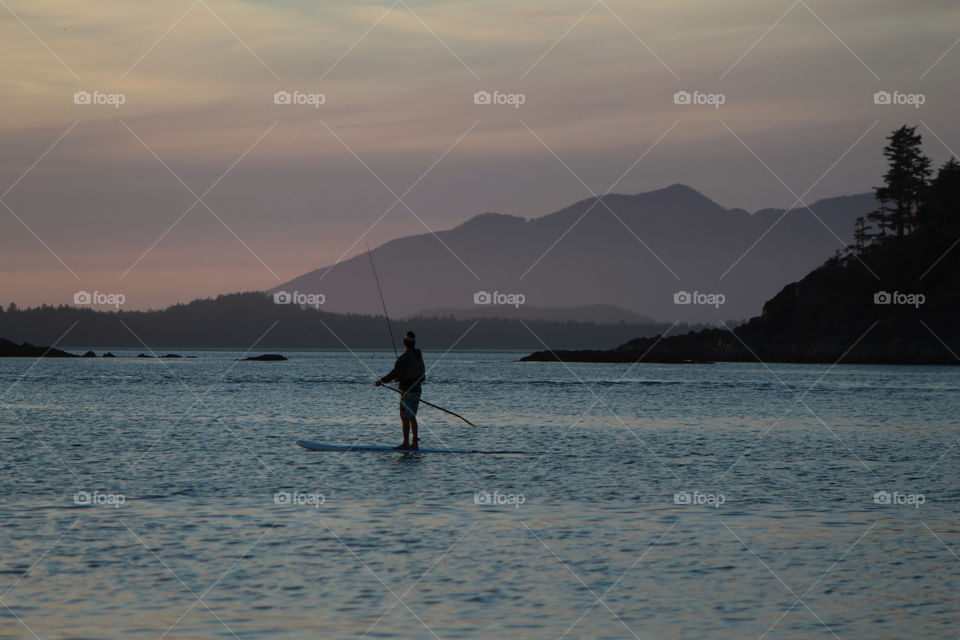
(185,174)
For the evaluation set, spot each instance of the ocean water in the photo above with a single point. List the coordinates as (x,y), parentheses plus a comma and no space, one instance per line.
(167,499)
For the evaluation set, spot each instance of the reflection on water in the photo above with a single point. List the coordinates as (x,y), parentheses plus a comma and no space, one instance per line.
(659,501)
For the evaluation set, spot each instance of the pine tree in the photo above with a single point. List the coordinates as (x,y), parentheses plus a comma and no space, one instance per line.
(881,218)
(904,182)
(861,235)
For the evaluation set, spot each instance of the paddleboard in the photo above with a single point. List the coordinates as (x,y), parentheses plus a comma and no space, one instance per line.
(324,446)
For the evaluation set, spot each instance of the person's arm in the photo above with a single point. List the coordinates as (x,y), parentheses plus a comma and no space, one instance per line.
(394,373)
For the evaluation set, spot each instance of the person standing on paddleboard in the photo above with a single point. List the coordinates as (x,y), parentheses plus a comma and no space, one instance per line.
(409,372)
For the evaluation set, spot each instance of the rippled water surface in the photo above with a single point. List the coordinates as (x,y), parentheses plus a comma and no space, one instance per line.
(191,469)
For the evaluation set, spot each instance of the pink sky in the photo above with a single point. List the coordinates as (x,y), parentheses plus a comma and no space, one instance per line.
(96,196)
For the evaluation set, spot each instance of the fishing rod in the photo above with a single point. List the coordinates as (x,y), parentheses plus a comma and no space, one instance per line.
(394,342)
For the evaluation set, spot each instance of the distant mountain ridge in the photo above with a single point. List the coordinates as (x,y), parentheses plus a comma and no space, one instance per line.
(657,243)
(597,313)
(239,320)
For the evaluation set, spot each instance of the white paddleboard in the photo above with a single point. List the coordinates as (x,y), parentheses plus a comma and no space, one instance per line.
(324,446)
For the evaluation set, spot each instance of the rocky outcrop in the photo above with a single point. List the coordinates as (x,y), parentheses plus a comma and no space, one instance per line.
(26,350)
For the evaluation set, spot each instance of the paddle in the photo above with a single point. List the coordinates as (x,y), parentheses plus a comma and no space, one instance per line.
(430,404)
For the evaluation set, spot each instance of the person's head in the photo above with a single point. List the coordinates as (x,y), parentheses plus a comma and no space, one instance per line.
(410,340)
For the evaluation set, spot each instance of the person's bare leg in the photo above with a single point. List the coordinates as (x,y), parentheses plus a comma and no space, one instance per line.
(413,428)
(406,431)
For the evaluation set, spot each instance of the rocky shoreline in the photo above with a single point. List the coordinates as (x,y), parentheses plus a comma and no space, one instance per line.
(10,349)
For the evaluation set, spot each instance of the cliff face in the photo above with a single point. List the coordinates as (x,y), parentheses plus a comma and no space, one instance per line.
(890,307)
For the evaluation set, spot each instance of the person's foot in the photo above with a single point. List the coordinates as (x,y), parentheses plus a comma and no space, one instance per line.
(415,445)
(402,447)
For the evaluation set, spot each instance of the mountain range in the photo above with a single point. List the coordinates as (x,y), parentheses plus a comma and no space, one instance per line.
(636,252)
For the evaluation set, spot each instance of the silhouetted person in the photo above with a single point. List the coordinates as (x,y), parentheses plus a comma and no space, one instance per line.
(409,372)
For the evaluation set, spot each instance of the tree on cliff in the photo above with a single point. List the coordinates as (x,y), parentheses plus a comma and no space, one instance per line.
(909,201)
(904,183)
(861,235)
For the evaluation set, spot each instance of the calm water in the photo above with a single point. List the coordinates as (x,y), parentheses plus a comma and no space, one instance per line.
(783,538)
